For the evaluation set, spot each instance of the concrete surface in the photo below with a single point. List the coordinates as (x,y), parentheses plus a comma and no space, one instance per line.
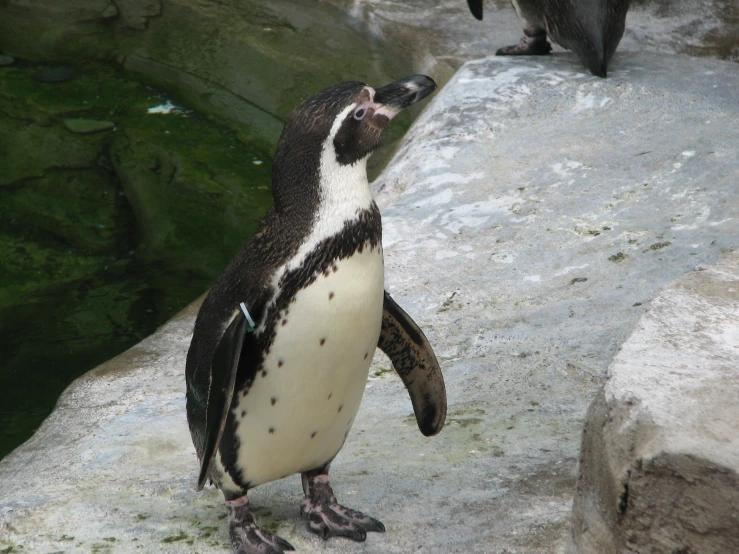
(529,218)
(659,470)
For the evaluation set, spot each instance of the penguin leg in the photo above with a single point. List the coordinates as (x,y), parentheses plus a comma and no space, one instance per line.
(533,43)
(327,517)
(246,536)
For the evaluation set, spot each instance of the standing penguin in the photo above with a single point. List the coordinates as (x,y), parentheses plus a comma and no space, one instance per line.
(283,342)
(592,29)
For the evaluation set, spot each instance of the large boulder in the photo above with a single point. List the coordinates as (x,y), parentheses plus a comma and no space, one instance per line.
(659,467)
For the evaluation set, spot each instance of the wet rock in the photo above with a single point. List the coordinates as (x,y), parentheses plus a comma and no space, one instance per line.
(54,75)
(258,61)
(136,13)
(6,60)
(659,468)
(110,11)
(87,126)
(35,148)
(79,207)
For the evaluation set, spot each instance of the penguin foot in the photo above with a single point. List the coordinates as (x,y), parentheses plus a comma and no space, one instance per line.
(328,518)
(527,46)
(334,520)
(246,536)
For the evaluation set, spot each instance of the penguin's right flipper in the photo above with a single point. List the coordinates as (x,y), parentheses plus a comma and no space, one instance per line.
(414,360)
(223,377)
(475,8)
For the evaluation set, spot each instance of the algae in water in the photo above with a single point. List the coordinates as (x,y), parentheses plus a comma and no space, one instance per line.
(106,235)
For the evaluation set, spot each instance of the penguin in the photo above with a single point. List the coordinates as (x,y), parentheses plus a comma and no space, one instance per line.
(283,342)
(592,29)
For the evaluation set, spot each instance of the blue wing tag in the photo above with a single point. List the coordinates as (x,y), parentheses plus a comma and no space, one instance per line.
(248,318)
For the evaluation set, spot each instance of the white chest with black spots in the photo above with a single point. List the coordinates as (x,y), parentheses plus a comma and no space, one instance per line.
(300,407)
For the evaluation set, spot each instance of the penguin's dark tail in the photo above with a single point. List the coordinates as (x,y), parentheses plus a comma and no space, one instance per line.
(590,51)
(597,64)
(602,27)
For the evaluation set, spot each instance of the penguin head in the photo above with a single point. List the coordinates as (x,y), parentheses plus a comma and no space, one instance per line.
(359,125)
(350,116)
(337,128)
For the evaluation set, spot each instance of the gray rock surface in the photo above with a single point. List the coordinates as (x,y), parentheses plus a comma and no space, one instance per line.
(694,27)
(659,471)
(529,218)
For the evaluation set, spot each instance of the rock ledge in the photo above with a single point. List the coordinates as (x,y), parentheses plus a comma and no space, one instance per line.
(659,471)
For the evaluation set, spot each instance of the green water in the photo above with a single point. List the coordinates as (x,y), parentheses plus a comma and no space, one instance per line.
(105,236)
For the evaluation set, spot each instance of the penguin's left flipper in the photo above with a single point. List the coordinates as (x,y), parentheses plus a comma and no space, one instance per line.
(223,377)
(414,360)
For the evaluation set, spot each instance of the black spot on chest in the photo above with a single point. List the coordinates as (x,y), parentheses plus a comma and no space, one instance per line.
(363,232)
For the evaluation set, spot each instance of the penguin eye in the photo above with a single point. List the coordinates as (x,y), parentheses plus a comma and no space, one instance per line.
(359,114)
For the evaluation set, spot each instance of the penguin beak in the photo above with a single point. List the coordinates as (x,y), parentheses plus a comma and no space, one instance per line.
(406,91)
(392,98)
